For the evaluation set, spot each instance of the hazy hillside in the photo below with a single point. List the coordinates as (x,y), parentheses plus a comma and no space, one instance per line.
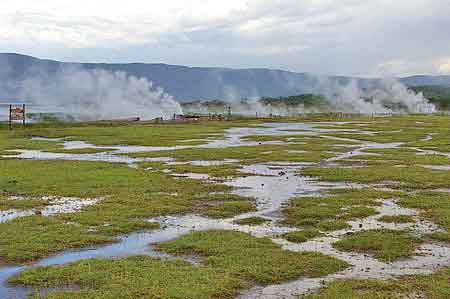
(191,83)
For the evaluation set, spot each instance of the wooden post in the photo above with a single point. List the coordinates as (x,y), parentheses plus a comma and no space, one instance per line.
(10,117)
(23,110)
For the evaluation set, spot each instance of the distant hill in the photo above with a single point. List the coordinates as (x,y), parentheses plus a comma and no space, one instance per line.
(192,83)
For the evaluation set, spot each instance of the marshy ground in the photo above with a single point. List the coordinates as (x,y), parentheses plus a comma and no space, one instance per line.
(315,207)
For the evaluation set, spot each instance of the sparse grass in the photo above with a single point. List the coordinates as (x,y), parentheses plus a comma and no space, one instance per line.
(386,245)
(250,258)
(332,225)
(103,133)
(252,221)
(433,286)
(397,219)
(414,177)
(434,206)
(80,151)
(30,238)
(330,212)
(249,154)
(440,236)
(403,156)
(21,204)
(301,236)
(130,197)
(133,277)
(217,171)
(228,209)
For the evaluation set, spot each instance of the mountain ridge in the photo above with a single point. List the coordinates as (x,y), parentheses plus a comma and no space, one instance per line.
(188,83)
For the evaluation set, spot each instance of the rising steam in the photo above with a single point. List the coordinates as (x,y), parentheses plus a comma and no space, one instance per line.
(99,94)
(380,96)
(385,96)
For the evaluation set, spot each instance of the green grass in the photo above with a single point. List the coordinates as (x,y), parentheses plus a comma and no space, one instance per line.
(301,236)
(249,154)
(80,151)
(402,156)
(440,236)
(433,286)
(228,209)
(433,206)
(21,204)
(397,219)
(130,197)
(103,133)
(331,211)
(386,245)
(252,221)
(332,225)
(30,238)
(414,177)
(250,258)
(133,277)
(215,171)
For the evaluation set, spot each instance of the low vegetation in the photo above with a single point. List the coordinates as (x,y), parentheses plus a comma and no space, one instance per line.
(331,211)
(386,245)
(133,277)
(252,221)
(432,286)
(250,258)
(301,236)
(397,219)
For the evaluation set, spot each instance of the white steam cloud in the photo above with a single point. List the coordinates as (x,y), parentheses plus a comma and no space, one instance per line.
(386,96)
(99,94)
(379,96)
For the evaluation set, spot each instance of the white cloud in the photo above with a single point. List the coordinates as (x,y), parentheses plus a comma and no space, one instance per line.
(444,66)
(326,36)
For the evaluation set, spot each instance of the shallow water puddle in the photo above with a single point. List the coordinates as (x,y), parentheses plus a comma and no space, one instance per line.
(56,205)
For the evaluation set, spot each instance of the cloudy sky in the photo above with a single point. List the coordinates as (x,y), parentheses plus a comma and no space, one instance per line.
(348,37)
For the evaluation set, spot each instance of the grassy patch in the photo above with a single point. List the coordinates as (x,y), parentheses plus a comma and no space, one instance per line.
(250,154)
(434,286)
(21,204)
(133,277)
(402,156)
(332,225)
(434,206)
(397,219)
(130,197)
(386,245)
(228,209)
(331,211)
(251,258)
(103,133)
(80,151)
(216,171)
(30,238)
(251,221)
(301,236)
(408,176)
(440,236)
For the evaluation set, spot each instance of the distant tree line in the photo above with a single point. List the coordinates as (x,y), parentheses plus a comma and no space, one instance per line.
(437,94)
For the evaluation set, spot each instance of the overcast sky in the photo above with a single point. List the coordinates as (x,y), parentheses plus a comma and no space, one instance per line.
(348,37)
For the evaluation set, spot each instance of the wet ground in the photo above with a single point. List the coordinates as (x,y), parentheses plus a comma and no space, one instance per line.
(272,185)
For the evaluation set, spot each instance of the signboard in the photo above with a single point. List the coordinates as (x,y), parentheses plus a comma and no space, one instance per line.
(16,113)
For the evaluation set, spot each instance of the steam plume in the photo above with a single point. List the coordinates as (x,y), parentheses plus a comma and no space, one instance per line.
(99,94)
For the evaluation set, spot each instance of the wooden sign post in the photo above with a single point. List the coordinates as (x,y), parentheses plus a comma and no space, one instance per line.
(16,113)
